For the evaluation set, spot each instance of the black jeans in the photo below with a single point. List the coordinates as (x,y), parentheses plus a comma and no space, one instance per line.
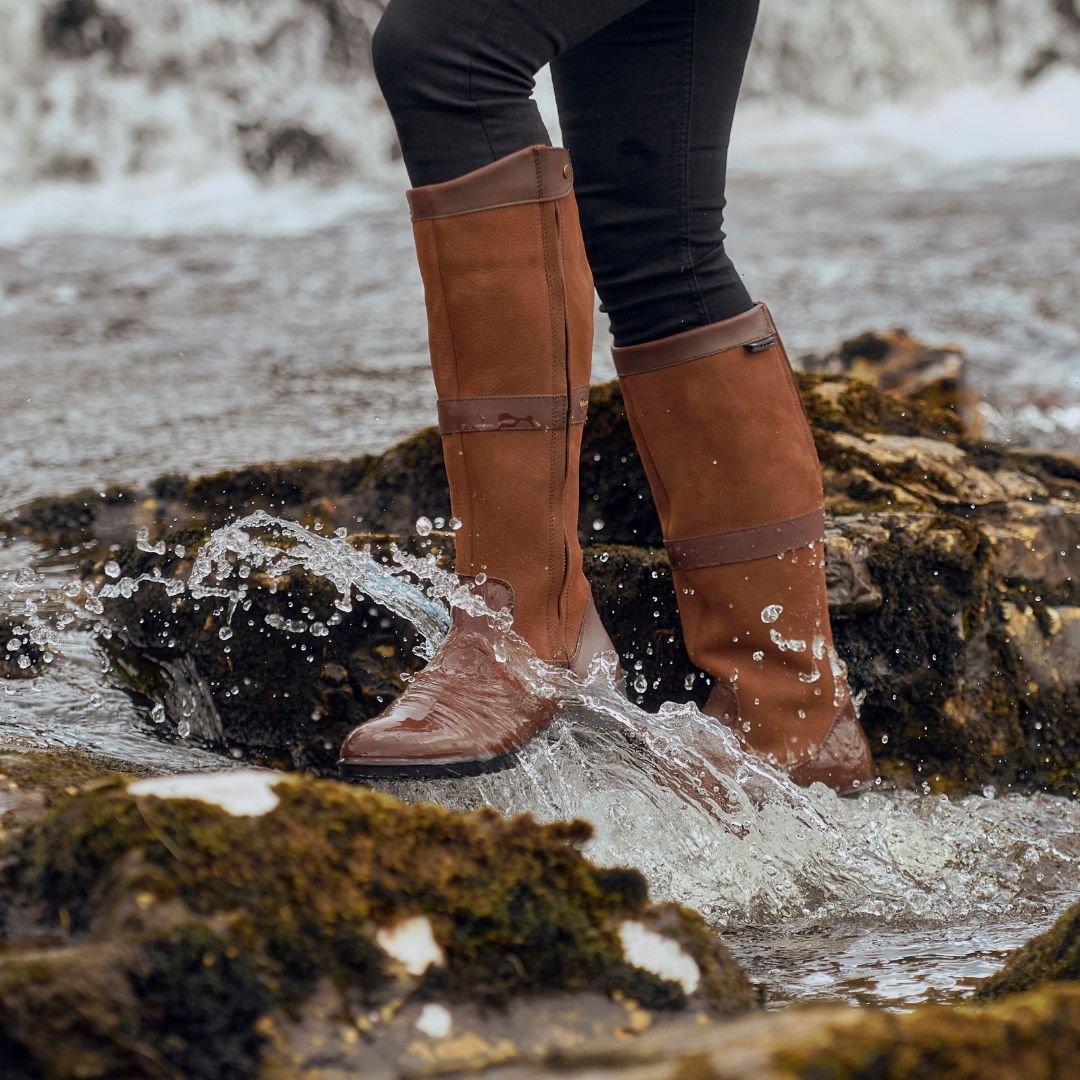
(646,91)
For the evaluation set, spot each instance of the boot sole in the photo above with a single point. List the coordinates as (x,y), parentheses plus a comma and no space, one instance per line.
(451,770)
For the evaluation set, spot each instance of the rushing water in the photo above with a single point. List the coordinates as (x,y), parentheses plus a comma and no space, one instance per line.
(843,898)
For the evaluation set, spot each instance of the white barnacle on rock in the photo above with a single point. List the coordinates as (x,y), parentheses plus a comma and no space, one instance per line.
(243,792)
(434,1021)
(412,944)
(664,958)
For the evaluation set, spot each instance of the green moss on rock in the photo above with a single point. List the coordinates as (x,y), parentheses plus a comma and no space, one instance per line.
(1030,1035)
(1053,956)
(198,924)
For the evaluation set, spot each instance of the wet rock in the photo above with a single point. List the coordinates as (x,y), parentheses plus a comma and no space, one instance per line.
(1052,957)
(898,364)
(74,29)
(244,922)
(33,778)
(1032,1034)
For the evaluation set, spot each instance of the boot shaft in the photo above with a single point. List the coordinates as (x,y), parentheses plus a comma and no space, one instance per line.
(733,468)
(509,301)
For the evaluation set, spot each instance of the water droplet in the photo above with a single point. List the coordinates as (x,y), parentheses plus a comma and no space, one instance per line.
(225,633)
(455,524)
(771,613)
(157,713)
(597,524)
(423,526)
(112,569)
(990,791)
(688,682)
(24,661)
(480,578)
(641,684)
(183,729)
(758,655)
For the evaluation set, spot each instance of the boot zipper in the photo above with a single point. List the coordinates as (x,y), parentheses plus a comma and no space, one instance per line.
(567,389)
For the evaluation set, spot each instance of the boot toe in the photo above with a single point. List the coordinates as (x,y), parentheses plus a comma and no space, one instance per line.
(843,760)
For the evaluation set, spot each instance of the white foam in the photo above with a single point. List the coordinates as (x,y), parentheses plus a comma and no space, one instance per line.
(243,792)
(412,944)
(435,1021)
(970,124)
(664,958)
(167,204)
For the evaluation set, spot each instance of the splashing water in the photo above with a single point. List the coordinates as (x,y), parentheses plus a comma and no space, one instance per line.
(671,793)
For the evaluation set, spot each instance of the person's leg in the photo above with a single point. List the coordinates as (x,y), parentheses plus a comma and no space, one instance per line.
(646,107)
(509,305)
(458,75)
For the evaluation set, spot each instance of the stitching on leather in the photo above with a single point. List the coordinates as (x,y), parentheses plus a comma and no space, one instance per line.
(752,529)
(457,380)
(767,550)
(553,197)
(507,397)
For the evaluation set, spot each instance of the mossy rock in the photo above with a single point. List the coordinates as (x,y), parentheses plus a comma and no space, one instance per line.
(236,918)
(1053,956)
(1036,1034)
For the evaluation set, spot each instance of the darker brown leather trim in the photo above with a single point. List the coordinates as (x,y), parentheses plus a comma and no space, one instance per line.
(535,174)
(749,328)
(732,547)
(528,412)
(579,405)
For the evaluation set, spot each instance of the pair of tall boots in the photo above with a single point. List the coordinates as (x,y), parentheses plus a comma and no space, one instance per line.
(729,457)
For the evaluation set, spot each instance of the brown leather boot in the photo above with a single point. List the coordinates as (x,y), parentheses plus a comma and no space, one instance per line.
(510,308)
(737,484)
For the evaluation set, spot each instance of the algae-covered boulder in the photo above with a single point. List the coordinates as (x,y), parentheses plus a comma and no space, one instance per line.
(1036,1034)
(904,367)
(226,923)
(1053,956)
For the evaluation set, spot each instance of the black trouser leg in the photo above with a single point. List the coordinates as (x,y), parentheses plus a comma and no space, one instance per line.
(646,106)
(646,92)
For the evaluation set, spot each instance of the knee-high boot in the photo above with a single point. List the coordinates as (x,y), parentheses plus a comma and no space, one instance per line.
(737,485)
(509,304)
